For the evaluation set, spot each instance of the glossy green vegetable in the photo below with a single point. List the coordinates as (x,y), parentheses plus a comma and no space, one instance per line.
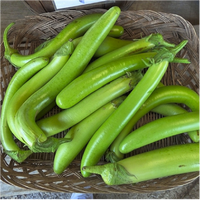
(169,109)
(160,129)
(111,44)
(110,129)
(116,31)
(114,155)
(162,95)
(108,45)
(88,82)
(137,46)
(85,85)
(81,134)
(74,29)
(19,78)
(43,112)
(172,94)
(36,82)
(25,118)
(69,117)
(167,161)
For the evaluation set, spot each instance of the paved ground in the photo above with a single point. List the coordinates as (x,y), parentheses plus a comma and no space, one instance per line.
(189,191)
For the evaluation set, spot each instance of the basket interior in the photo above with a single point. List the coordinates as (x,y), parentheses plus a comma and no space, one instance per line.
(37,171)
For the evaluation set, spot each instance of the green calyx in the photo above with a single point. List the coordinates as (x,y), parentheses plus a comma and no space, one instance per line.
(173,51)
(157,40)
(136,77)
(118,101)
(112,173)
(41,46)
(50,145)
(168,54)
(19,155)
(112,157)
(8,50)
(66,49)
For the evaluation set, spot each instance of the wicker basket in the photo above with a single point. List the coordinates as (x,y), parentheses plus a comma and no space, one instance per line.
(37,171)
(42,6)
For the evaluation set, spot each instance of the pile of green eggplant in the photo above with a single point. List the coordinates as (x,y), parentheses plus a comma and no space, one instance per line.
(103,86)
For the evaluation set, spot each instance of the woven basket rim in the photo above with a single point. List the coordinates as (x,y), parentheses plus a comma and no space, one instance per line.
(9,169)
(146,11)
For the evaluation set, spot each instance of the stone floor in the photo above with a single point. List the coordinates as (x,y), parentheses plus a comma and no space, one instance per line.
(11,11)
(189,191)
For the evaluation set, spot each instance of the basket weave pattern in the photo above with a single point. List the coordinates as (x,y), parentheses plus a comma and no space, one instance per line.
(37,171)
